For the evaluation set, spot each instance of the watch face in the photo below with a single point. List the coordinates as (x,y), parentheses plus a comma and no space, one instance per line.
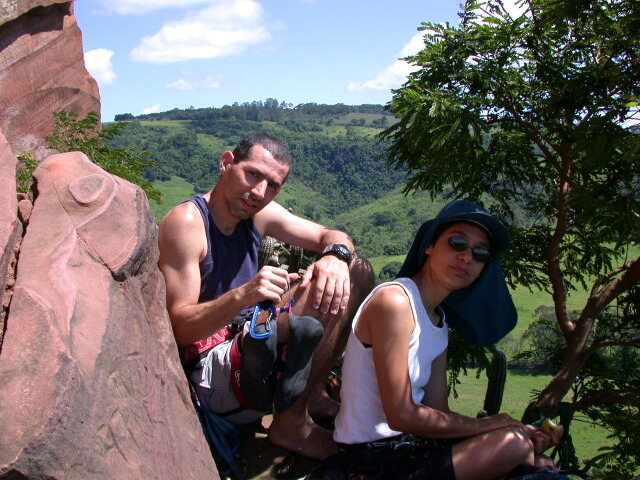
(341,251)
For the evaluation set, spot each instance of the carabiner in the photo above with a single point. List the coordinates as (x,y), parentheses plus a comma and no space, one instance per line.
(264,305)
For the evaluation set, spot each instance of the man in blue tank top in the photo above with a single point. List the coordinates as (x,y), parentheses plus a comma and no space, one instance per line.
(209,257)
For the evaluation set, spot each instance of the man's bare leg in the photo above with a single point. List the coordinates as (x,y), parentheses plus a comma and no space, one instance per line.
(294,428)
(319,404)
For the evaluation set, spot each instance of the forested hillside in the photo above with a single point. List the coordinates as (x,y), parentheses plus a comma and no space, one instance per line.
(339,177)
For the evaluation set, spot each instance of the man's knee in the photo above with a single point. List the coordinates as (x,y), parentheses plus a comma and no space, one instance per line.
(362,277)
(362,281)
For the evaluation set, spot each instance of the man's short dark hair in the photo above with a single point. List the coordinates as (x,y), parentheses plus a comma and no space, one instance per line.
(270,143)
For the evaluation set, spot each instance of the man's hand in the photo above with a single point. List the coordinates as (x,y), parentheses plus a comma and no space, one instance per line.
(333,286)
(270,283)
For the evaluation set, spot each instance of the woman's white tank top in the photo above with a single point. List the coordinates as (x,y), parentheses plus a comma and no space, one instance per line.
(361,418)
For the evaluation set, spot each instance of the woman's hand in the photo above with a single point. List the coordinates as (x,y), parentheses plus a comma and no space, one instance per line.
(542,438)
(501,420)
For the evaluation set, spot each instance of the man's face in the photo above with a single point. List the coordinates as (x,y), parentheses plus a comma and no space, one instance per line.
(251,184)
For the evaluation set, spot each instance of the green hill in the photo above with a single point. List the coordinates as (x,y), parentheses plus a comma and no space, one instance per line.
(339,176)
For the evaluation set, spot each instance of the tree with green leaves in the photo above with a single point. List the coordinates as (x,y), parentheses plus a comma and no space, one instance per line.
(85,135)
(528,111)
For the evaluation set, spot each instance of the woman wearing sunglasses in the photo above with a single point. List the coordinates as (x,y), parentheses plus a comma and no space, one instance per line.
(394,419)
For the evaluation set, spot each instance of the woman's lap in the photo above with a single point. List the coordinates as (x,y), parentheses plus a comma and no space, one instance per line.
(405,457)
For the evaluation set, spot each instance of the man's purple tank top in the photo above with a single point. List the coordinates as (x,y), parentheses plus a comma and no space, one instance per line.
(231,260)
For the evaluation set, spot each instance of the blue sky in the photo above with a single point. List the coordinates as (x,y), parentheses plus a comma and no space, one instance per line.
(156,55)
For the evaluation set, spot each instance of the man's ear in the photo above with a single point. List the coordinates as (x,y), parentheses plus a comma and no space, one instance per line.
(226,160)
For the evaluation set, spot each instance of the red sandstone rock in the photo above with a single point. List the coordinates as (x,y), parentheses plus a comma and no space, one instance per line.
(8,204)
(90,382)
(10,228)
(24,210)
(41,71)
(10,9)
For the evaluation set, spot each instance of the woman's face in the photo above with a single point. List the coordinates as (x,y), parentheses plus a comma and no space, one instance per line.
(455,269)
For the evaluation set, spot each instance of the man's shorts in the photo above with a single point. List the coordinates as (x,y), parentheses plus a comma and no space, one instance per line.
(211,377)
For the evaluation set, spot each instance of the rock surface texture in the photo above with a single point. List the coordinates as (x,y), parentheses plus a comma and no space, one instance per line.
(90,382)
(10,227)
(41,71)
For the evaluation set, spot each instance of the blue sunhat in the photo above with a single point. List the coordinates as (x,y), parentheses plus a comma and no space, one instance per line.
(484,311)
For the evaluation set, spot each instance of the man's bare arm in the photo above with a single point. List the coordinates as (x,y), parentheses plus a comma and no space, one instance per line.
(333,284)
(278,222)
(182,243)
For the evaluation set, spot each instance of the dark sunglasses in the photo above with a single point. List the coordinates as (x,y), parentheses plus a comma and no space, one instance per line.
(460,244)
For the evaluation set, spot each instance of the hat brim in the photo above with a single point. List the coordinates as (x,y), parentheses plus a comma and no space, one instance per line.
(498,233)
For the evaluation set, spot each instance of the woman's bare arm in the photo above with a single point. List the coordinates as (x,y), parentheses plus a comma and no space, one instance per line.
(386,323)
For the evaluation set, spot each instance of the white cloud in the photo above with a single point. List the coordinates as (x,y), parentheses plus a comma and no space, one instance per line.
(415,44)
(137,7)
(152,109)
(98,62)
(395,74)
(226,28)
(187,82)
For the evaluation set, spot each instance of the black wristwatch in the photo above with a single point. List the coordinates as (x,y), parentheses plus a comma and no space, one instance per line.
(338,250)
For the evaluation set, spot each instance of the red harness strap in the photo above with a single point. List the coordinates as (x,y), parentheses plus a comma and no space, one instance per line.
(214,340)
(190,353)
(236,365)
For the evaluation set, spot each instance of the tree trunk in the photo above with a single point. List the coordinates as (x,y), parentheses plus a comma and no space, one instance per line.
(575,357)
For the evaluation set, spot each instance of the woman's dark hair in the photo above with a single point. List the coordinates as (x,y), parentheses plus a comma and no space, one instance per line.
(270,143)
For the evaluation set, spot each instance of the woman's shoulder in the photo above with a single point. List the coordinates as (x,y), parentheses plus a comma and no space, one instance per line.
(387,314)
(393,291)
(391,296)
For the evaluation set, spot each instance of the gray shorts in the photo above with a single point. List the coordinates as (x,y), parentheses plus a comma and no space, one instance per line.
(211,377)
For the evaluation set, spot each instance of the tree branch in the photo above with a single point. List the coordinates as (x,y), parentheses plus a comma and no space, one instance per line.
(593,461)
(629,397)
(601,296)
(530,132)
(613,343)
(559,290)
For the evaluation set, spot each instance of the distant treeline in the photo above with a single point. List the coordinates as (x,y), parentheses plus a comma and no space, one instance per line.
(271,111)
(335,149)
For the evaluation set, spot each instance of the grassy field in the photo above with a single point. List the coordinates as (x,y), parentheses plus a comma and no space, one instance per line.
(174,191)
(177,125)
(213,144)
